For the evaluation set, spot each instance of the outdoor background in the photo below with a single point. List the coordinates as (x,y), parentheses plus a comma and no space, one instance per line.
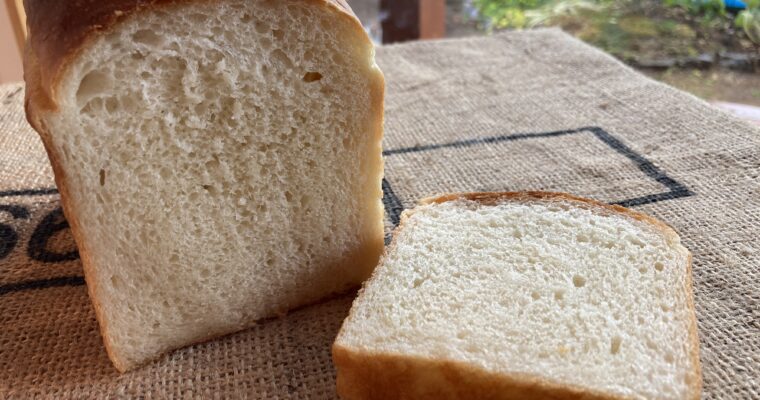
(710,48)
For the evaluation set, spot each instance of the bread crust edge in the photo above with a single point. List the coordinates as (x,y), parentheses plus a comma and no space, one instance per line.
(367,375)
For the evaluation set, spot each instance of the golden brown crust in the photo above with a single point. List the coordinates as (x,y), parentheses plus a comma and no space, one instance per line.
(84,253)
(31,74)
(368,376)
(492,198)
(58,31)
(364,375)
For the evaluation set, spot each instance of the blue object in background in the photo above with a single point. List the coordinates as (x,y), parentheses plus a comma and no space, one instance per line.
(735,4)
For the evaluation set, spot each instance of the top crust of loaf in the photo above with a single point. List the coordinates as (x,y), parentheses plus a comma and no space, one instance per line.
(364,374)
(493,198)
(59,31)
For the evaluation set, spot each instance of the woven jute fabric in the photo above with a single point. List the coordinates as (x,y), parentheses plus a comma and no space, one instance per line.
(534,110)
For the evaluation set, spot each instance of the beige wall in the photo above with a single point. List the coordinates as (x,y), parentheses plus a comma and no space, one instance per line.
(10,54)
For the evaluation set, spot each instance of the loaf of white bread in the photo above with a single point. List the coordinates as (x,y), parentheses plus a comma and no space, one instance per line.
(219,162)
(524,296)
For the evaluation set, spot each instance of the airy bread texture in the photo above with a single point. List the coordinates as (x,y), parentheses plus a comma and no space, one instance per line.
(524,295)
(219,161)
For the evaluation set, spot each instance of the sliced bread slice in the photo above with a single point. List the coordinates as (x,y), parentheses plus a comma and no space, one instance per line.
(521,296)
(219,161)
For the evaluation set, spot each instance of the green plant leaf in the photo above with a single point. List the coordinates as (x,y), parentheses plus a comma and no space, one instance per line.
(749,21)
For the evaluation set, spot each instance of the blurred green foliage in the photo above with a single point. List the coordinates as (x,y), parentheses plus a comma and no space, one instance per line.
(708,8)
(506,13)
(749,20)
(501,14)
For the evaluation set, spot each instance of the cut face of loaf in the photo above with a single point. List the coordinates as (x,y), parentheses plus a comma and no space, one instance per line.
(522,296)
(219,161)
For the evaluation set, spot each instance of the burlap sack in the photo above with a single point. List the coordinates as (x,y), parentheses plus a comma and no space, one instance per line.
(533,110)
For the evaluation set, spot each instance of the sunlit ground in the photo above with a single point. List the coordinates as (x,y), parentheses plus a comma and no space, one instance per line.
(718,84)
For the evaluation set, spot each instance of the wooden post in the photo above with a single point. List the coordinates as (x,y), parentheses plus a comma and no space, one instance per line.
(18,21)
(12,39)
(404,20)
(432,19)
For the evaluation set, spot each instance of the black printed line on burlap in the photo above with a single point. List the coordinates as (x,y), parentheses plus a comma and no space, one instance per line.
(394,206)
(28,192)
(37,246)
(42,284)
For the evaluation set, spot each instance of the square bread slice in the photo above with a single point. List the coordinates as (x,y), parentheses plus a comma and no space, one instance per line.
(219,161)
(524,296)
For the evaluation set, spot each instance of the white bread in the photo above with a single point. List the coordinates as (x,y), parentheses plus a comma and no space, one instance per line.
(524,296)
(219,161)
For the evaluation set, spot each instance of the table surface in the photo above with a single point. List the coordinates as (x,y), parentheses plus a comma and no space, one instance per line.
(520,111)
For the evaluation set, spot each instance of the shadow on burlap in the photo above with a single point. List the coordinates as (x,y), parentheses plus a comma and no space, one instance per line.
(534,110)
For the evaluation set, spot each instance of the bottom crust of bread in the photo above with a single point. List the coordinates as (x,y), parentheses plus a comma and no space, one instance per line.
(367,376)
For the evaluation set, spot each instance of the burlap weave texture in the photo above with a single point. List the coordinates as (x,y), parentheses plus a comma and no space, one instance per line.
(517,111)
